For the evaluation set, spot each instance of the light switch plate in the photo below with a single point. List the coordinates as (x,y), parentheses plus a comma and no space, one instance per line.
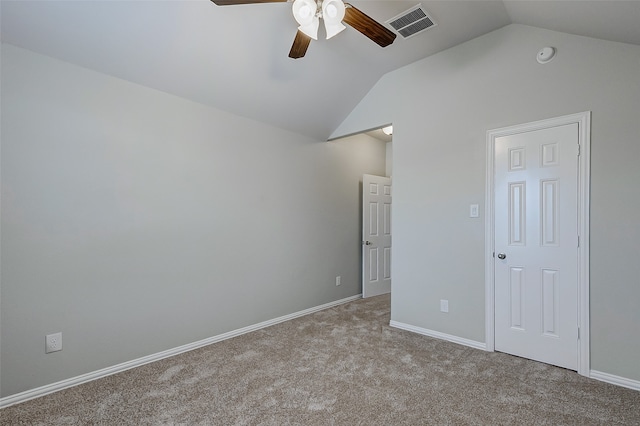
(474,210)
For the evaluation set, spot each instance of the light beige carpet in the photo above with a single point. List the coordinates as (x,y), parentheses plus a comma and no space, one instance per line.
(341,366)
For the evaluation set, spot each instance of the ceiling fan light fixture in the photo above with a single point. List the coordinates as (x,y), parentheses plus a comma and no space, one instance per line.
(333,29)
(312,29)
(333,13)
(305,12)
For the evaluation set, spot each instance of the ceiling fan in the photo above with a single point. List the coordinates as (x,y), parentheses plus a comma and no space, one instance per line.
(333,13)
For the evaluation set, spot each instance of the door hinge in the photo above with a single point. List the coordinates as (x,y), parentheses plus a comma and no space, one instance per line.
(578,333)
(578,150)
(578,240)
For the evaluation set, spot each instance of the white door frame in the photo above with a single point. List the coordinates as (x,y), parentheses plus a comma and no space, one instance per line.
(584,140)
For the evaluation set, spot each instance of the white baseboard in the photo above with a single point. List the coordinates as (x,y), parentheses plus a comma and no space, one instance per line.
(439,335)
(94,375)
(615,380)
(597,375)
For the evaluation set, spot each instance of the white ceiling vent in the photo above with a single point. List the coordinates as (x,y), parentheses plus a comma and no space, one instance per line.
(412,22)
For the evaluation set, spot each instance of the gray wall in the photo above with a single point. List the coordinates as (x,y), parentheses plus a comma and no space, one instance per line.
(134,221)
(441,109)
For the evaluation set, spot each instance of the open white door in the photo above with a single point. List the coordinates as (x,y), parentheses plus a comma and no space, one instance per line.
(376,235)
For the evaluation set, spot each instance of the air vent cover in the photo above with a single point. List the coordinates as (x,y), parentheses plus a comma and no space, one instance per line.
(412,22)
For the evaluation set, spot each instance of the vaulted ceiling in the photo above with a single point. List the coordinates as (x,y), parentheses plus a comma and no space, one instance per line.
(235,57)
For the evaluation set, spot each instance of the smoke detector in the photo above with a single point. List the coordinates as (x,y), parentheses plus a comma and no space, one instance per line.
(546,54)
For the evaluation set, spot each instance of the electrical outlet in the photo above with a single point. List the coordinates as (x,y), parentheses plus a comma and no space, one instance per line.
(444,305)
(53,342)
(338,280)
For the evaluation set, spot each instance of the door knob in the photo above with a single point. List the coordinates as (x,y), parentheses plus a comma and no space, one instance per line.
(502,256)
(368,243)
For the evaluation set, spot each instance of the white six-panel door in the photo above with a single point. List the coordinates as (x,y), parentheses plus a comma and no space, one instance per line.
(536,245)
(376,235)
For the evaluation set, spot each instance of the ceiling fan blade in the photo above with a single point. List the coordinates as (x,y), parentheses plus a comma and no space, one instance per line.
(300,45)
(368,26)
(233,2)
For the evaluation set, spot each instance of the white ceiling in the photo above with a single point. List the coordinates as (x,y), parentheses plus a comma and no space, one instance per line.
(235,57)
